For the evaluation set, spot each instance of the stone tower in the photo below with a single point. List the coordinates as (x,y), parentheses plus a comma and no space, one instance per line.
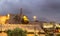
(21,11)
(21,14)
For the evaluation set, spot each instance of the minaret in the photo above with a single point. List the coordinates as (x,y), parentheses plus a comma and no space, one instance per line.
(21,11)
(21,14)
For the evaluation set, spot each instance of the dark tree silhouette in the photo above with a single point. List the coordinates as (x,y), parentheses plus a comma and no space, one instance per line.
(17,19)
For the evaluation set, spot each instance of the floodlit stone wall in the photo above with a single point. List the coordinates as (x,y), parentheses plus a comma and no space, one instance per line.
(28,27)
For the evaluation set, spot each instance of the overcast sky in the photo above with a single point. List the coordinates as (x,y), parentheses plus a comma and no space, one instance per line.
(43,9)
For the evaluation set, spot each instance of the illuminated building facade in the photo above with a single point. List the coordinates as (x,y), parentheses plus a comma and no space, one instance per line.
(3,19)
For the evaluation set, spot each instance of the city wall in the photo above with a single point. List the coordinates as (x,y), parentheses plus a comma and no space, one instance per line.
(28,27)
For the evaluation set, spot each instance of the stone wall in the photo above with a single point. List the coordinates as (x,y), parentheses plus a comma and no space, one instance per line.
(28,27)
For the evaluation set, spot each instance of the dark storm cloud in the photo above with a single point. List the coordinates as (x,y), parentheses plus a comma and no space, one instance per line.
(49,9)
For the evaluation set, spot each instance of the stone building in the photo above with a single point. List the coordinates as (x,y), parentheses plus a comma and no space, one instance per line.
(3,19)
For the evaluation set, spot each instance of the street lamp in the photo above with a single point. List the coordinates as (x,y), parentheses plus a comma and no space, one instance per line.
(8,16)
(34,17)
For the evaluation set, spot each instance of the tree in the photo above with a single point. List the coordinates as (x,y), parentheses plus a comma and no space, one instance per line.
(17,19)
(17,32)
(25,20)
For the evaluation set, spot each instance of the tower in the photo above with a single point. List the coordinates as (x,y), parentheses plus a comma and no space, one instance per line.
(21,11)
(21,15)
